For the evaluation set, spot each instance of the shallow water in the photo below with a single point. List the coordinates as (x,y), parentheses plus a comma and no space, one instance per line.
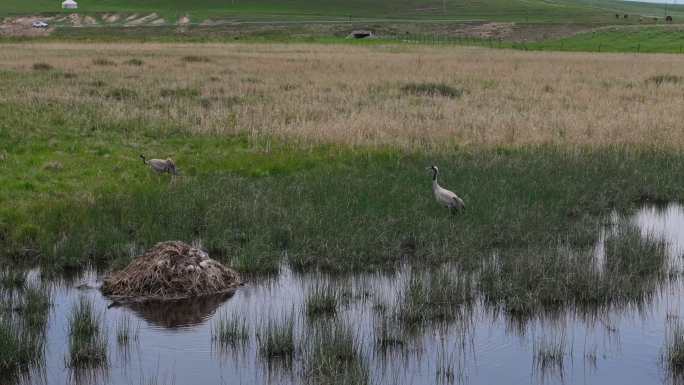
(174,342)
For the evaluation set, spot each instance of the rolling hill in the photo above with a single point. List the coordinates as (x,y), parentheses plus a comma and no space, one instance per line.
(577,11)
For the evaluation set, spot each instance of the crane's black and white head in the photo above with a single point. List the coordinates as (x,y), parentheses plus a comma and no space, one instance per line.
(434,170)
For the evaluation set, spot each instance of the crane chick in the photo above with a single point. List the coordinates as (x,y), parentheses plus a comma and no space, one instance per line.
(443,196)
(161,166)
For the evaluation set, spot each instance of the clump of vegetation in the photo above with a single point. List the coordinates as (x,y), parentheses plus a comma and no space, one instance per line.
(230,331)
(196,59)
(35,309)
(23,318)
(432,90)
(121,94)
(135,62)
(334,356)
(388,335)
(321,300)
(435,297)
(549,357)
(13,279)
(19,349)
(179,92)
(666,78)
(276,339)
(103,62)
(531,282)
(125,331)
(42,67)
(673,355)
(87,341)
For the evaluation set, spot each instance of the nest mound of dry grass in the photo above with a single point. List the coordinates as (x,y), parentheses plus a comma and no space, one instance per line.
(171,270)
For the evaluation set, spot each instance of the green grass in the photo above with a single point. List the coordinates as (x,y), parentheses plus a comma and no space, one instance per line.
(509,10)
(286,214)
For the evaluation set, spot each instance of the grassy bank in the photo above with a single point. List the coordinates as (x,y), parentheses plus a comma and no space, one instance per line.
(663,39)
(280,157)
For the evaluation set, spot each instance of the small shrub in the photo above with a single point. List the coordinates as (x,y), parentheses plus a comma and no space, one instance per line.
(662,79)
(432,90)
(196,59)
(135,62)
(103,62)
(121,94)
(42,67)
(179,92)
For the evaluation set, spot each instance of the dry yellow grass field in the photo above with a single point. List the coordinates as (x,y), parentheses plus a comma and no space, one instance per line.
(353,94)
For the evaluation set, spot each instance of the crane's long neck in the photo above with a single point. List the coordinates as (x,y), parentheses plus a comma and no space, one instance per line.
(143,159)
(435,185)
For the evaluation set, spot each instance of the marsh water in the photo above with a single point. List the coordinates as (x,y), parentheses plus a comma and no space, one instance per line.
(173,343)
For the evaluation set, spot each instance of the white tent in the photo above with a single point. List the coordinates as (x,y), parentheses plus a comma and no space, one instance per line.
(69,4)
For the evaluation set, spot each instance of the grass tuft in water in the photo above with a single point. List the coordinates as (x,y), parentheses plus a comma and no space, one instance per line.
(276,339)
(334,356)
(87,342)
(35,309)
(673,355)
(125,331)
(549,357)
(230,330)
(13,279)
(439,296)
(19,349)
(321,300)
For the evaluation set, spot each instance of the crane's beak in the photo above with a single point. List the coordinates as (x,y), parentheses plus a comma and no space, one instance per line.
(428,168)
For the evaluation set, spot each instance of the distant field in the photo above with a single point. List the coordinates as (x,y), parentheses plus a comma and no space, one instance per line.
(499,10)
(620,39)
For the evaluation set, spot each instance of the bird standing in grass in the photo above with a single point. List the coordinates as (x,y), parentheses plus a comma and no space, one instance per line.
(161,166)
(444,196)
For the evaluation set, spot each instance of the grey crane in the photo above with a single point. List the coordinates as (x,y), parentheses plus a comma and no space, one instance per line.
(161,166)
(443,196)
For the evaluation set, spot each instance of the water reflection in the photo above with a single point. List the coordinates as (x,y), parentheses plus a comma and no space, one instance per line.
(540,324)
(178,313)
